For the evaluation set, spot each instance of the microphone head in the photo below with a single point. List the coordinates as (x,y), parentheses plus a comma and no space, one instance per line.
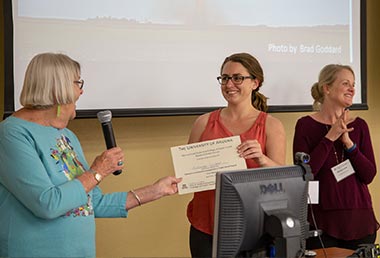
(104,116)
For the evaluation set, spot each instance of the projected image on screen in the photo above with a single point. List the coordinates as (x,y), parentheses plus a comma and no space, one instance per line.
(167,53)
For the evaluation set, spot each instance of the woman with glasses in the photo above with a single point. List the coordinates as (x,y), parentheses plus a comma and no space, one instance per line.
(49,194)
(262,136)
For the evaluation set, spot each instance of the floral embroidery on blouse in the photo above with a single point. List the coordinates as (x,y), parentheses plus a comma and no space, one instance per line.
(65,156)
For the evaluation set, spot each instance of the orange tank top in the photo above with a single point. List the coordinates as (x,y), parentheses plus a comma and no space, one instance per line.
(200,210)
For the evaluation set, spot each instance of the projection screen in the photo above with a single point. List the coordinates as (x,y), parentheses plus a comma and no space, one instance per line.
(162,57)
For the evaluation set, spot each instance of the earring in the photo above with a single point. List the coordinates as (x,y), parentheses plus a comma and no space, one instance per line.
(58,110)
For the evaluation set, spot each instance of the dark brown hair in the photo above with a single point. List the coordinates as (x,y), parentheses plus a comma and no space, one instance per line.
(259,101)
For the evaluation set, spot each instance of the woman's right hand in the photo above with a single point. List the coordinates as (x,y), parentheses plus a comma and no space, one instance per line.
(339,128)
(109,161)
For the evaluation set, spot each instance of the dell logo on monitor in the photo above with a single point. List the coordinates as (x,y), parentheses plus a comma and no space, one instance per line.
(271,188)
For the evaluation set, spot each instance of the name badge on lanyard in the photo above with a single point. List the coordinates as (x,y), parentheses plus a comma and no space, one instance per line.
(343,170)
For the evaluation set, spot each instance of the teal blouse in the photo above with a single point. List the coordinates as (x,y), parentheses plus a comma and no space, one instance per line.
(44,209)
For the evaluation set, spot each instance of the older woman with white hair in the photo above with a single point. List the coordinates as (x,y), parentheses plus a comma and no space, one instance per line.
(49,194)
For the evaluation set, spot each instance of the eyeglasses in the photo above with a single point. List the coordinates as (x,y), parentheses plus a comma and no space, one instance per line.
(236,79)
(80,83)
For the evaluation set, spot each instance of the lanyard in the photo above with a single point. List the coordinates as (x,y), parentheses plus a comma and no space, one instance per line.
(335,152)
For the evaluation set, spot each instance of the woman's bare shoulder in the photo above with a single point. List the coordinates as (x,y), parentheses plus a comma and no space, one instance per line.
(273,122)
(198,127)
(201,120)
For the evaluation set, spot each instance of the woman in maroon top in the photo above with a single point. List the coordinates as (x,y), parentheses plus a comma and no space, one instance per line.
(335,141)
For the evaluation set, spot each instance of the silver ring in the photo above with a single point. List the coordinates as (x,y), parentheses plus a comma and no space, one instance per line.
(120,163)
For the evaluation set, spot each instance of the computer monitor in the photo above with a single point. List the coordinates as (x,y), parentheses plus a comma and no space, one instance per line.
(261,211)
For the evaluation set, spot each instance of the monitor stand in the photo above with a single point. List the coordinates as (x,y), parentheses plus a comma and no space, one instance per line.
(285,229)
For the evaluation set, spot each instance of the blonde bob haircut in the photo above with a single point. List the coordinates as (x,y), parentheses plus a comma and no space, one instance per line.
(49,80)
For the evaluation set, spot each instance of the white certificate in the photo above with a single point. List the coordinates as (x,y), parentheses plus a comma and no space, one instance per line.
(197,163)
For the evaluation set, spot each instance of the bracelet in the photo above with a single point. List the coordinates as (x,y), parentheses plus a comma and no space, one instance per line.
(136,196)
(353,147)
(98,177)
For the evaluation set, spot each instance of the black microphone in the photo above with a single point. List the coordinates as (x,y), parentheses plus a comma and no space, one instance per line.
(105,119)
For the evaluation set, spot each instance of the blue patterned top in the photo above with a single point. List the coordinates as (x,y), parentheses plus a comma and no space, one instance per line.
(44,210)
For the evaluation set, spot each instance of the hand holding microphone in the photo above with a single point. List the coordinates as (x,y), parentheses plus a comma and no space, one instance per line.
(104,118)
(108,162)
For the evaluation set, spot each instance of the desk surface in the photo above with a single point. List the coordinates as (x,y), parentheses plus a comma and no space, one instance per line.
(334,252)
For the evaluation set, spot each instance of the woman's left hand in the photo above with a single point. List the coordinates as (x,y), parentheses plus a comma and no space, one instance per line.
(251,149)
(345,137)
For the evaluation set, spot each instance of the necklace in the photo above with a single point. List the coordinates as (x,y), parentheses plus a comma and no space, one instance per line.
(335,152)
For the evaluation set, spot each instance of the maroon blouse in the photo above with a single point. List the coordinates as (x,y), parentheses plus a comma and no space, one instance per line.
(345,208)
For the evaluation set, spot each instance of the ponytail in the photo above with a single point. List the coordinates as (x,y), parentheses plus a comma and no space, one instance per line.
(259,101)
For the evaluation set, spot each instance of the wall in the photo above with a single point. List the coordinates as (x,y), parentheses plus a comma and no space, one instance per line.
(160,229)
